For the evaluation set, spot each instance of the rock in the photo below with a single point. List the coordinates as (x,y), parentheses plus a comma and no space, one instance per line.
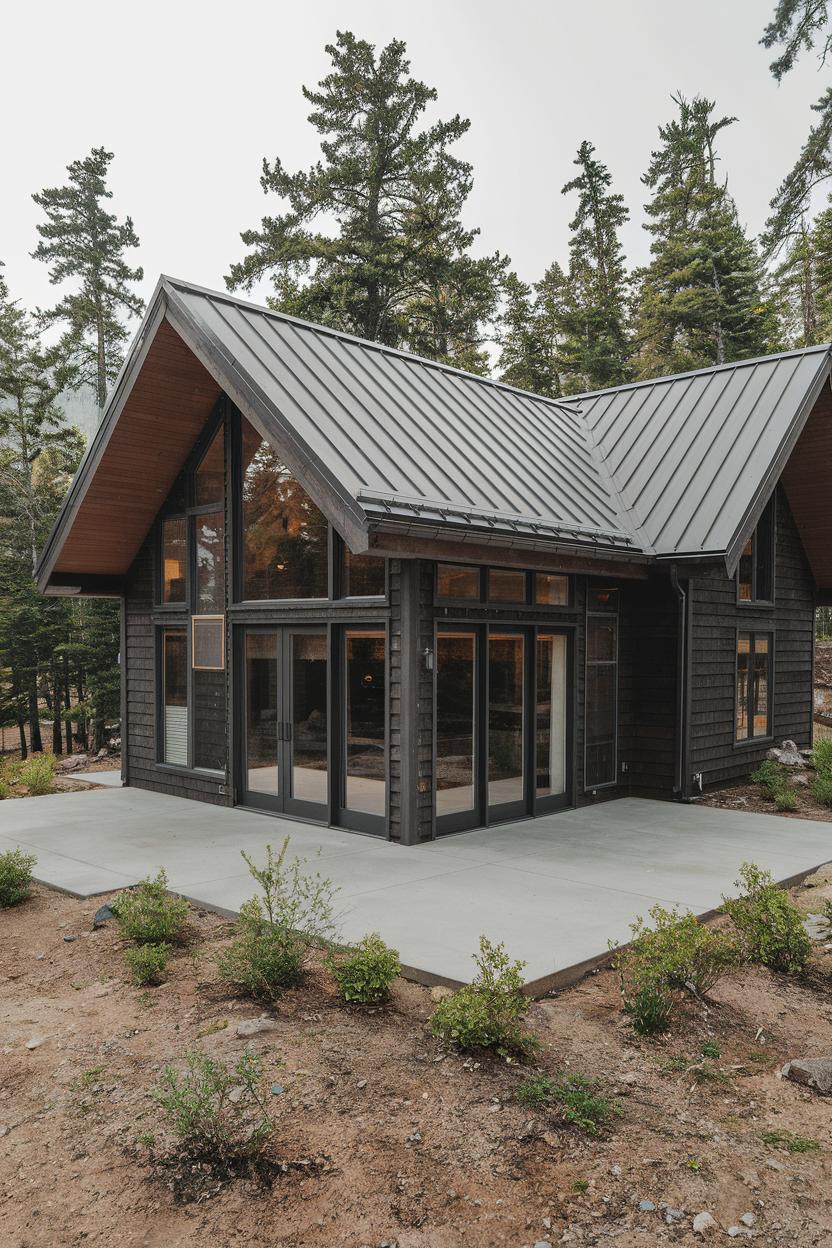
(254,1026)
(775,1165)
(542,1243)
(646,1206)
(672,1215)
(800,780)
(69,939)
(72,762)
(704,1223)
(751,1179)
(277,1089)
(748,1219)
(414,1138)
(103,915)
(817,927)
(615,1171)
(102,753)
(736,1231)
(440,993)
(35,1042)
(812,1072)
(788,754)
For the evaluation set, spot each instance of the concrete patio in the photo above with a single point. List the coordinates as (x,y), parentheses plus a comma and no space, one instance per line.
(556,890)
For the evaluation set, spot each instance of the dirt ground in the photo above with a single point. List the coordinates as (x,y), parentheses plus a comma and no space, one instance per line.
(64,781)
(421,1147)
(751,797)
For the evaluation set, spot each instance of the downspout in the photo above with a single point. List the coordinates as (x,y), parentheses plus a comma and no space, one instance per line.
(680,787)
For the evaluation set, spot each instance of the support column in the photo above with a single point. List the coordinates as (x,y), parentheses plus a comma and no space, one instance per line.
(411,664)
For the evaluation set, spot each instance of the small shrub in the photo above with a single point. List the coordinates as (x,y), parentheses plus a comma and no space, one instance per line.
(149,914)
(147,963)
(790,1142)
(489,1012)
(276,929)
(4,789)
(15,876)
(37,774)
(771,775)
(785,799)
(770,928)
(578,1104)
(822,756)
(677,952)
(366,973)
(710,1048)
(649,1010)
(217,1113)
(822,787)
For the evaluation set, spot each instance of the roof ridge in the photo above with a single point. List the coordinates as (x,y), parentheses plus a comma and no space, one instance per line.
(697,372)
(383,348)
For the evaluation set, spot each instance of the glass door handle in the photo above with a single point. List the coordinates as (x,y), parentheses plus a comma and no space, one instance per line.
(280,736)
(288,730)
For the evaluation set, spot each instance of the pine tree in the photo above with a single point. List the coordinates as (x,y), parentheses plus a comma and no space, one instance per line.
(531,333)
(397,268)
(802,283)
(596,349)
(81,240)
(700,300)
(797,26)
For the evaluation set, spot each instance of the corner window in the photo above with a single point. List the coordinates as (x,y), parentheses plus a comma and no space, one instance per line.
(285,536)
(363,575)
(209,478)
(755,574)
(753,708)
(601,700)
(174,559)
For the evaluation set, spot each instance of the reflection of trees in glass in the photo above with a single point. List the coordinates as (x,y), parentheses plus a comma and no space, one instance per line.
(210,562)
(285,534)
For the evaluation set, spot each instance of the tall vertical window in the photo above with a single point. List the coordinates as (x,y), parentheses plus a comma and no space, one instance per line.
(285,536)
(174,559)
(175,696)
(209,542)
(753,710)
(601,700)
(755,574)
(209,478)
(365,736)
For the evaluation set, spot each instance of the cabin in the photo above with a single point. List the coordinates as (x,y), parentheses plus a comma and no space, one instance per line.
(369,590)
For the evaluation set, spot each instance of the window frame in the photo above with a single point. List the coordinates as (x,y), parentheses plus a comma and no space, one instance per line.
(742,743)
(614,663)
(527,603)
(769,514)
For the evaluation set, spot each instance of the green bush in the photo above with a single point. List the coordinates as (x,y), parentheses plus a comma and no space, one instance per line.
(774,779)
(4,789)
(770,928)
(676,952)
(149,914)
(37,774)
(822,757)
(649,1010)
(489,1012)
(276,929)
(217,1113)
(822,788)
(15,876)
(784,799)
(147,963)
(573,1095)
(366,973)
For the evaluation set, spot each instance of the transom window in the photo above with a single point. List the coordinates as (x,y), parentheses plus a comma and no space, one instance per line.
(755,574)
(459,582)
(753,708)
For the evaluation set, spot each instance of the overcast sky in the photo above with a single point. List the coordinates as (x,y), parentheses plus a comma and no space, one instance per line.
(190,97)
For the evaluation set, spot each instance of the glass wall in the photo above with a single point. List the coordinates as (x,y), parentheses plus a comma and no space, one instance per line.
(285,536)
(365,736)
(456,665)
(209,542)
(308,737)
(506,718)
(363,575)
(550,728)
(174,559)
(262,677)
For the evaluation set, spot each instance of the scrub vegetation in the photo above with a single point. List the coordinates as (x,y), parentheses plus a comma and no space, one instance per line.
(149,914)
(365,974)
(489,1012)
(15,876)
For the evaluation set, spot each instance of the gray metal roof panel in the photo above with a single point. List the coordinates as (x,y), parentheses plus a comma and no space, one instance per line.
(392,424)
(689,456)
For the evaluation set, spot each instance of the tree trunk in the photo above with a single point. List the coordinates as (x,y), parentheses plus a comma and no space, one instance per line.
(67,706)
(34,717)
(21,718)
(57,725)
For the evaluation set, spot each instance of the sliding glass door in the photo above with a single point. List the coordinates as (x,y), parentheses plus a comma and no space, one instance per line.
(502,724)
(363,745)
(286,763)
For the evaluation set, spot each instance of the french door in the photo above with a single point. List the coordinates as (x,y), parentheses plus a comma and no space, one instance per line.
(285,765)
(503,717)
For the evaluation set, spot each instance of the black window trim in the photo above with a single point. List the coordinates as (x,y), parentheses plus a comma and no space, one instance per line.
(528,603)
(750,631)
(614,663)
(755,602)
(220,775)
